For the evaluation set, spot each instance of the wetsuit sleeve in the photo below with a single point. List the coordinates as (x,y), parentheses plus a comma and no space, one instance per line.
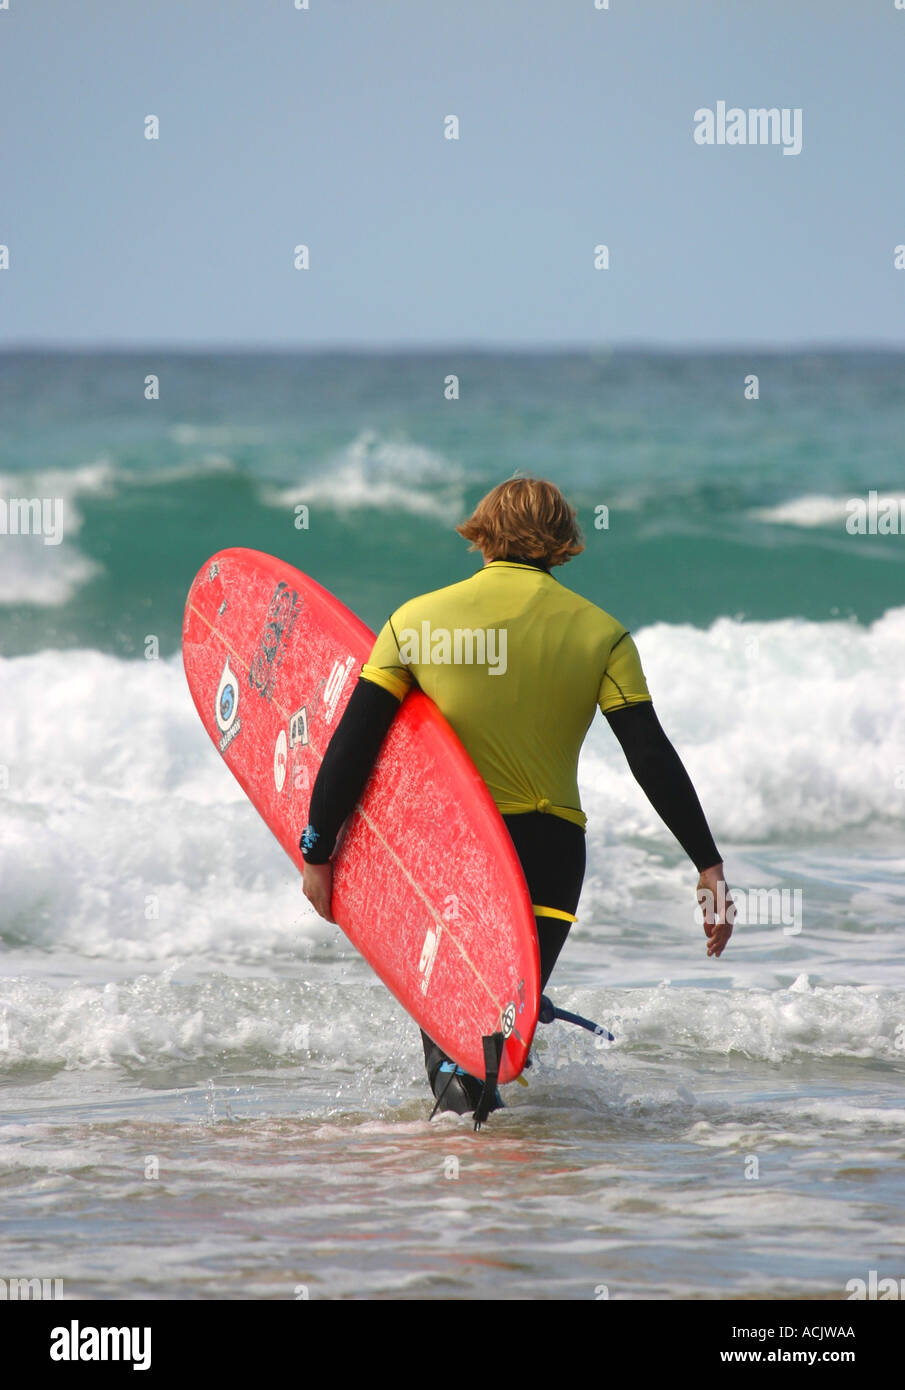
(623,680)
(385,667)
(350,756)
(658,770)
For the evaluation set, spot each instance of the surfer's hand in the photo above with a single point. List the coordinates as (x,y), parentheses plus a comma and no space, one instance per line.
(317,885)
(717,907)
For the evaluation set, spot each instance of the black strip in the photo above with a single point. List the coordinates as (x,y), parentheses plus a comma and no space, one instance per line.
(444,1089)
(606,674)
(402,666)
(658,770)
(520,560)
(493,1055)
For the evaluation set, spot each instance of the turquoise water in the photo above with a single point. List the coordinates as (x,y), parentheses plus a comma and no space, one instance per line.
(237,1040)
(668,443)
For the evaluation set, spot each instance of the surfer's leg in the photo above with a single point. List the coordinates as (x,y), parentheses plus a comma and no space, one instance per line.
(552,854)
(454,1088)
(551,937)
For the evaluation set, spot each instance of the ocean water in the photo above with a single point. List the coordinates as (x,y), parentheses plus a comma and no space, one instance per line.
(205,1092)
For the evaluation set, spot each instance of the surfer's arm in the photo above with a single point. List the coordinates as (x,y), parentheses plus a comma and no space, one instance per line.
(347,763)
(353,749)
(659,771)
(656,766)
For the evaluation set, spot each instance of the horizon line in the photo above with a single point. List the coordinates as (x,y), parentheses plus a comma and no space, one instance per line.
(431,348)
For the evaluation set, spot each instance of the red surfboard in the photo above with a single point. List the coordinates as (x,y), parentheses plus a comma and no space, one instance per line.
(427,884)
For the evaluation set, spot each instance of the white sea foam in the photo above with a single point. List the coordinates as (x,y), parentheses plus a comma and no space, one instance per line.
(766,1025)
(372,472)
(119,807)
(163,1018)
(787,728)
(813,509)
(48,575)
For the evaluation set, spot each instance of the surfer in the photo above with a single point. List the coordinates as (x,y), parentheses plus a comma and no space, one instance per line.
(518,664)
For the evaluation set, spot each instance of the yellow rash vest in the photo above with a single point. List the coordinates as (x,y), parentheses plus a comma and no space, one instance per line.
(518,664)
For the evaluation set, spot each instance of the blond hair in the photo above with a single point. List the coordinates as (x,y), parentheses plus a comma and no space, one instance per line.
(524,517)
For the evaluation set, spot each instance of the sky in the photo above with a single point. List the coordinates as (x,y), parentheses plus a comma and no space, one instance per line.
(325,127)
